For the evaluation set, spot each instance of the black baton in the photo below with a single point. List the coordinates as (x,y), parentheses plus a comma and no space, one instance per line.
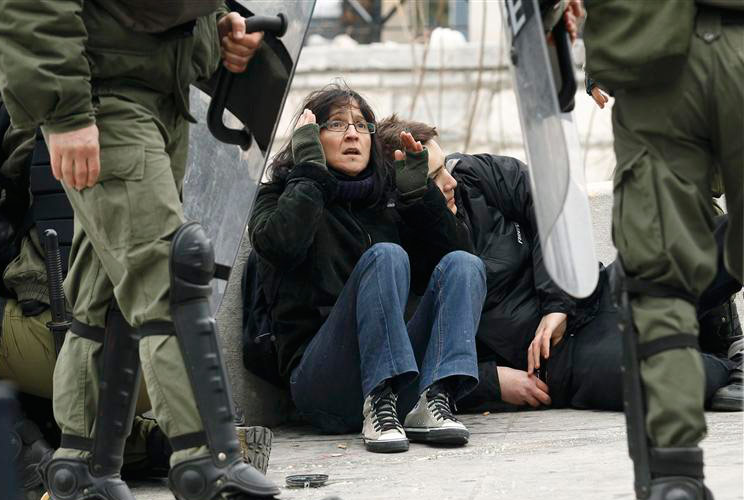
(57,303)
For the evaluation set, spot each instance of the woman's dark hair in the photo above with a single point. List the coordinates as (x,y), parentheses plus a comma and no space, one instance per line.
(321,102)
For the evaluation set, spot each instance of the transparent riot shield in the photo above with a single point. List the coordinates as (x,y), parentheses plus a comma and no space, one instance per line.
(553,152)
(222,179)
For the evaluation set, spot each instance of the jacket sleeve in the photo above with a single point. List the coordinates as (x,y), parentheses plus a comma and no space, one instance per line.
(44,74)
(286,216)
(488,389)
(513,190)
(430,231)
(432,222)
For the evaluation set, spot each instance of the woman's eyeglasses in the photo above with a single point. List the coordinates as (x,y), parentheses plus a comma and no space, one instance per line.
(361,127)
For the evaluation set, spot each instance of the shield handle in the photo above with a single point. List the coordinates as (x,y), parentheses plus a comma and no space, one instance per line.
(276,25)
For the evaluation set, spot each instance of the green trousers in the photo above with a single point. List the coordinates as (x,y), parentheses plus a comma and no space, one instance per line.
(27,358)
(120,251)
(670,141)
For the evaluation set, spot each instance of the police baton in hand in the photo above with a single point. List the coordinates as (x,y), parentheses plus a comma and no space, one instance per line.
(276,25)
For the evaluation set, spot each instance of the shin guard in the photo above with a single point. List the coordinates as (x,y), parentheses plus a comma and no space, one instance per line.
(660,473)
(192,269)
(98,477)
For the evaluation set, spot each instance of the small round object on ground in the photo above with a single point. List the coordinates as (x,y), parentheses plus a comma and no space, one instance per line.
(306,480)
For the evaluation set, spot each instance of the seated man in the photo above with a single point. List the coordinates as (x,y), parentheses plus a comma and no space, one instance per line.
(527,322)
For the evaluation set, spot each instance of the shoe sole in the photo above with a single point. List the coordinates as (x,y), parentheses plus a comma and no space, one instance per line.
(255,444)
(386,446)
(438,436)
(727,404)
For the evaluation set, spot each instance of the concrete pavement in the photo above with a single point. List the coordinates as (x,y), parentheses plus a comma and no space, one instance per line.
(529,455)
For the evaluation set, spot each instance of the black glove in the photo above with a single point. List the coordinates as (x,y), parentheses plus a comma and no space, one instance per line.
(306,146)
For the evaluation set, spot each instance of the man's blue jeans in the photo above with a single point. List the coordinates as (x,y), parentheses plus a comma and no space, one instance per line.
(365,340)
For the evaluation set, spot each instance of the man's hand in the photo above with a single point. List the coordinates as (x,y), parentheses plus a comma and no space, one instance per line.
(238,46)
(573,16)
(599,97)
(76,157)
(549,332)
(519,388)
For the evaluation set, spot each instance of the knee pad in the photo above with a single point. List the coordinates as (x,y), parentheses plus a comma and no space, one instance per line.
(192,265)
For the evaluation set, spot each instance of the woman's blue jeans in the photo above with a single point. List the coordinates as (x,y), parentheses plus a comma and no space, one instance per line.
(365,339)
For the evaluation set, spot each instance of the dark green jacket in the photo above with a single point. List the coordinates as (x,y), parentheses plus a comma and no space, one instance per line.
(57,54)
(309,243)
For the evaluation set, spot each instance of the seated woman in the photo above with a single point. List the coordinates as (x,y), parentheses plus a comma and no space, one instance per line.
(339,240)
(528,325)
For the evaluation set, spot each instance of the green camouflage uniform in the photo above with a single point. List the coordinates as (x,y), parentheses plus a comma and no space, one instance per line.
(65,65)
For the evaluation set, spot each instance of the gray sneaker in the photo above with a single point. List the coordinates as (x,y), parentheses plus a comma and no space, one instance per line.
(255,443)
(432,421)
(382,432)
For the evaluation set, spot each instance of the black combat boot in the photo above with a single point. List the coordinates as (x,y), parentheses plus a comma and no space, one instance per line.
(31,450)
(677,474)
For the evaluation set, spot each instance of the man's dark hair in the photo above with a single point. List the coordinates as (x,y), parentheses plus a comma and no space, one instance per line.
(321,102)
(389,129)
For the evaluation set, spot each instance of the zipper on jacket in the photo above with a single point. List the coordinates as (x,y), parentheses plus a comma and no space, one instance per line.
(361,228)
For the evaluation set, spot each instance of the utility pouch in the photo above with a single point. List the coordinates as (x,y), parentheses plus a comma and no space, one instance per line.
(637,44)
(157,17)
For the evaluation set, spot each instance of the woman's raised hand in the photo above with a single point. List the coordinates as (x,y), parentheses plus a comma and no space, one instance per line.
(411,167)
(306,117)
(306,146)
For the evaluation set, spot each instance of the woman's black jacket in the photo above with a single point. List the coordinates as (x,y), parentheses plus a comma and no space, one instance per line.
(309,242)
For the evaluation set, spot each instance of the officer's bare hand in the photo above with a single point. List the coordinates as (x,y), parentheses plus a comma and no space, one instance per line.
(573,17)
(549,332)
(599,97)
(520,388)
(238,46)
(76,157)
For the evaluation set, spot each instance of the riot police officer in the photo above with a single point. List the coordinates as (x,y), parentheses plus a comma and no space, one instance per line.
(675,69)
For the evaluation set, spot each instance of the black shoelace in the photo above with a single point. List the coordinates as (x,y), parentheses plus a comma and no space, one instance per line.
(439,404)
(385,413)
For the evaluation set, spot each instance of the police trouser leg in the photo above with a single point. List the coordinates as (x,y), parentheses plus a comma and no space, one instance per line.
(206,462)
(89,462)
(662,472)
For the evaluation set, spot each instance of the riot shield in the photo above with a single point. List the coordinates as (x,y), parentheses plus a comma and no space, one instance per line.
(222,179)
(553,151)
